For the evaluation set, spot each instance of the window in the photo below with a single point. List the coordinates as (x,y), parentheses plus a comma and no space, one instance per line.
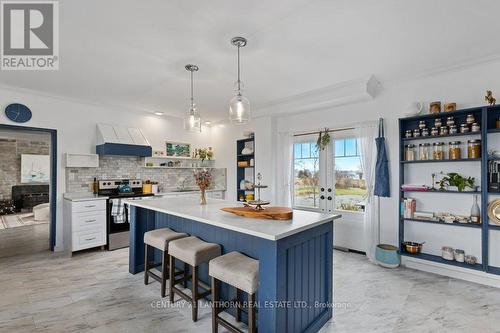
(306,175)
(350,187)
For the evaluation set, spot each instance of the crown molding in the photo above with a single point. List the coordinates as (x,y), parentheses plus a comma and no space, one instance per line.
(348,92)
(38,93)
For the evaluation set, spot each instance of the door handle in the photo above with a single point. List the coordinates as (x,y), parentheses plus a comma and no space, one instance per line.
(89,239)
(90,221)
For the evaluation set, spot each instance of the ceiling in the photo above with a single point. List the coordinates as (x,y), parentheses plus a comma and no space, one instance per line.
(132,53)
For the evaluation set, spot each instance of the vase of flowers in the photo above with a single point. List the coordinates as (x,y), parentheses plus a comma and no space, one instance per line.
(203,179)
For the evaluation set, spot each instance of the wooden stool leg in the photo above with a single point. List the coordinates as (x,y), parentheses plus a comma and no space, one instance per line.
(164,273)
(251,313)
(238,305)
(194,293)
(172,279)
(215,305)
(186,272)
(146,262)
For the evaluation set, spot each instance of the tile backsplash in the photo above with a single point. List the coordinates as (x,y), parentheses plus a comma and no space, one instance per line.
(121,167)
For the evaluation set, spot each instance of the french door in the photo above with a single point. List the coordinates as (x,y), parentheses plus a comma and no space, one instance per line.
(329,179)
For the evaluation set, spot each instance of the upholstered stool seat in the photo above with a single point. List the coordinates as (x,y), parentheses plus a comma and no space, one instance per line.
(41,212)
(237,270)
(193,252)
(159,239)
(241,272)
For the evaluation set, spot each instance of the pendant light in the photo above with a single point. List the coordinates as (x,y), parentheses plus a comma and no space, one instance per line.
(239,106)
(192,121)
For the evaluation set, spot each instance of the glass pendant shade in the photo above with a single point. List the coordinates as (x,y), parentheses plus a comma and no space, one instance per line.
(239,109)
(192,121)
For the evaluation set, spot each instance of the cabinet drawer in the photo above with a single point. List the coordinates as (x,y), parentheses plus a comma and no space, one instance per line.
(217,195)
(95,221)
(85,240)
(88,206)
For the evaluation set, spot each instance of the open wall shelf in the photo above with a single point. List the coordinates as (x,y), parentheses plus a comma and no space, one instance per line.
(486,116)
(245,172)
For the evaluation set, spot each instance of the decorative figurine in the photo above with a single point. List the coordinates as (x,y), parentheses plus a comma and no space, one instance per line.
(489,98)
(435,107)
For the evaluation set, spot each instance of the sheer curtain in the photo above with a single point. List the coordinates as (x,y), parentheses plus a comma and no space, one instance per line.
(367,132)
(285,169)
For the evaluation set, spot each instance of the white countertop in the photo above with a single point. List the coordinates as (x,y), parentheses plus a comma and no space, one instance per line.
(190,208)
(83,197)
(189,191)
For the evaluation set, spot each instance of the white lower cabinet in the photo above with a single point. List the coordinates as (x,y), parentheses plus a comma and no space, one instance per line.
(86,221)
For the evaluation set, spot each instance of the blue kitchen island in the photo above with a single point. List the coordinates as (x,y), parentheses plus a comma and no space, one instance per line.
(295,257)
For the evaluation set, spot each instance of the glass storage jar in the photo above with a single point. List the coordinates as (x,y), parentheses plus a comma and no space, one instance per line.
(443,130)
(416,133)
(408,134)
(434,131)
(421,124)
(475,127)
(424,151)
(464,128)
(450,121)
(425,132)
(438,151)
(438,123)
(410,152)
(455,151)
(453,129)
(470,119)
(474,149)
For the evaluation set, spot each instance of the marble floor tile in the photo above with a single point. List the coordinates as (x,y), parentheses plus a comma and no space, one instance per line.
(93,292)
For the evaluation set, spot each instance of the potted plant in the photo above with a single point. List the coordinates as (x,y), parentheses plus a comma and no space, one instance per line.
(454,182)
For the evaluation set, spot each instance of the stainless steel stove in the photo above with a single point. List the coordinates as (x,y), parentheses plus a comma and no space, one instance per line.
(117,214)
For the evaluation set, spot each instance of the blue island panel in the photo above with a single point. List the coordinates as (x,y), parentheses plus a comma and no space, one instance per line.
(295,273)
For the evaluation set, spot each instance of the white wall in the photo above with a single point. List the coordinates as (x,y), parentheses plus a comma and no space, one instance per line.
(75,123)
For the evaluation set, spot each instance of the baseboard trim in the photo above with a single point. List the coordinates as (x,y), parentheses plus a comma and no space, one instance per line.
(453,271)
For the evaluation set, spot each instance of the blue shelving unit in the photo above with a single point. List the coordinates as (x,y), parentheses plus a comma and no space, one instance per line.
(487,116)
(241,171)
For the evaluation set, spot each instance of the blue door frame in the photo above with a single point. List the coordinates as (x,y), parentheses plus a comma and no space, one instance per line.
(53,174)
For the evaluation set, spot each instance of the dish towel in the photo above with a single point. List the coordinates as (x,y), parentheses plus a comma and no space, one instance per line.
(382,187)
(117,211)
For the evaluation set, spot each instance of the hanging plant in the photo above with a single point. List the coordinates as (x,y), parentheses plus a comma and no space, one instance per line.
(323,139)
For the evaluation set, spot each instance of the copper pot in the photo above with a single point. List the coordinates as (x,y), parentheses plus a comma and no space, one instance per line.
(413,247)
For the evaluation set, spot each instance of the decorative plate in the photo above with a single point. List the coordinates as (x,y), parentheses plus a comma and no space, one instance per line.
(494,211)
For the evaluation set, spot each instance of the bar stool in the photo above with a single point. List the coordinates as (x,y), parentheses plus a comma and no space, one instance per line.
(241,272)
(193,252)
(159,239)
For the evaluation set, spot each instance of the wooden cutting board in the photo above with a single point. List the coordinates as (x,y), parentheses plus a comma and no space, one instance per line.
(271,213)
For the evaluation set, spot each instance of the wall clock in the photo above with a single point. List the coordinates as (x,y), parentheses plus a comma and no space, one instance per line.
(18,113)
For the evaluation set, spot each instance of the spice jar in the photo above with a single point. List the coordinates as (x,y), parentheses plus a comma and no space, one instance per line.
(475,127)
(443,130)
(438,123)
(474,149)
(421,124)
(424,151)
(455,152)
(425,132)
(453,129)
(410,152)
(438,151)
(464,128)
(434,131)
(416,133)
(408,134)
(450,121)
(470,119)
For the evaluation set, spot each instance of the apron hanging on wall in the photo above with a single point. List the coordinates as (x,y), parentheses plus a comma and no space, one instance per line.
(382,187)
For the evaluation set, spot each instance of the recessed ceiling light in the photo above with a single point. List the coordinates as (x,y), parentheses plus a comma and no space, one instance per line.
(208,123)
(158,113)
